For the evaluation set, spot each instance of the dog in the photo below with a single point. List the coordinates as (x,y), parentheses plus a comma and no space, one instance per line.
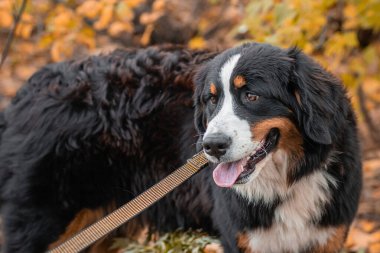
(283,135)
(83,137)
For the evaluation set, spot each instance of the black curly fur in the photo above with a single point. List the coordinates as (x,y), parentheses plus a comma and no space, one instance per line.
(82,134)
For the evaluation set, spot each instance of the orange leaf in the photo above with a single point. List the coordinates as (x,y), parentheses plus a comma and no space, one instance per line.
(60,51)
(197,42)
(149,18)
(133,3)
(105,18)
(118,27)
(90,9)
(6,19)
(159,5)
(124,12)
(46,40)
(145,38)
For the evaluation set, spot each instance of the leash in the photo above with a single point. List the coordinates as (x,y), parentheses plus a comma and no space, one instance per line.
(102,227)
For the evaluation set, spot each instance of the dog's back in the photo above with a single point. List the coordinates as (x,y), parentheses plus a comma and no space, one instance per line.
(84,137)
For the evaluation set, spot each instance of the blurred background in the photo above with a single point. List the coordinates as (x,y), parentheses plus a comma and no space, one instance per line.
(342,35)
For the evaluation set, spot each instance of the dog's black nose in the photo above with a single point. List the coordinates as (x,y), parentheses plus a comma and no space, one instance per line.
(216,144)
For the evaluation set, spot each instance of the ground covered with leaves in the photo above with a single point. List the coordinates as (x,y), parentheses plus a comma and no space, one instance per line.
(178,241)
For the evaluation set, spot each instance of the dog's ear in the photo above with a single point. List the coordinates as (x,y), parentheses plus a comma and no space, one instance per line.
(312,87)
(199,114)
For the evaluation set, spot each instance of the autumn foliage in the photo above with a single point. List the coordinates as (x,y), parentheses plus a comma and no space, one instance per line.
(342,35)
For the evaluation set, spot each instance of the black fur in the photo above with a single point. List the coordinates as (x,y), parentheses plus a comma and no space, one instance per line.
(83,134)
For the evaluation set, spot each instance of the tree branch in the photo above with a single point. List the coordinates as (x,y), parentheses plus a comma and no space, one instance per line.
(11,34)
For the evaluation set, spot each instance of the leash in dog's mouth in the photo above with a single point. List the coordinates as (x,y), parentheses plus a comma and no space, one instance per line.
(238,172)
(102,227)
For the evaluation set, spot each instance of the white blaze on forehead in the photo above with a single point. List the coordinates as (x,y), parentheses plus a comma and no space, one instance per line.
(226,72)
(226,122)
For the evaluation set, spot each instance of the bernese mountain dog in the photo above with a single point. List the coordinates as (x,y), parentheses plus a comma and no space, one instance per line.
(83,137)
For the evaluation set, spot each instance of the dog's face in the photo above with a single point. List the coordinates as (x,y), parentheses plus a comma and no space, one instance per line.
(256,106)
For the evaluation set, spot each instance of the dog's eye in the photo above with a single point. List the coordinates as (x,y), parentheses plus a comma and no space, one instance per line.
(251,97)
(213,100)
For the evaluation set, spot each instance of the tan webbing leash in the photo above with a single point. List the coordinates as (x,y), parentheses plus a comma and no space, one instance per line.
(121,215)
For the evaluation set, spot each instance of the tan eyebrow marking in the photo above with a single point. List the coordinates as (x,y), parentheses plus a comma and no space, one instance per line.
(213,89)
(239,81)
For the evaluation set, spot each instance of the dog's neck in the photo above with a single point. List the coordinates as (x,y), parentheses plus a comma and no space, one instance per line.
(292,207)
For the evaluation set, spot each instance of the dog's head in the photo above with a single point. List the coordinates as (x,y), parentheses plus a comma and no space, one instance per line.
(258,105)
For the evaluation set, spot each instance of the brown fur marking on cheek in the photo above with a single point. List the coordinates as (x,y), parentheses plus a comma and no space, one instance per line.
(290,138)
(213,90)
(334,243)
(243,243)
(239,81)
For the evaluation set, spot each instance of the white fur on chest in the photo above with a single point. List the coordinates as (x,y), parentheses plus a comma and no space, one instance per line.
(292,229)
(280,238)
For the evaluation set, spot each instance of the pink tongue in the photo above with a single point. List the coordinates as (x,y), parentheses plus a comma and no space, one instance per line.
(225,174)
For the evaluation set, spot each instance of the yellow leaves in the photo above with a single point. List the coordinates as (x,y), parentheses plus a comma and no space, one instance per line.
(46,40)
(159,5)
(371,87)
(24,31)
(86,37)
(89,9)
(62,21)
(61,50)
(105,12)
(283,12)
(145,38)
(6,19)
(26,24)
(133,3)
(326,4)
(308,48)
(197,43)
(25,27)
(113,16)
(124,12)
(149,18)
(105,18)
(118,27)
(338,43)
(312,24)
(304,23)
(350,13)
(371,55)
(369,14)
(348,79)
(287,22)
(76,24)
(68,27)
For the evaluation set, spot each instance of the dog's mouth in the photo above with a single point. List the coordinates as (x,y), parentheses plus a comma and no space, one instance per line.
(238,172)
